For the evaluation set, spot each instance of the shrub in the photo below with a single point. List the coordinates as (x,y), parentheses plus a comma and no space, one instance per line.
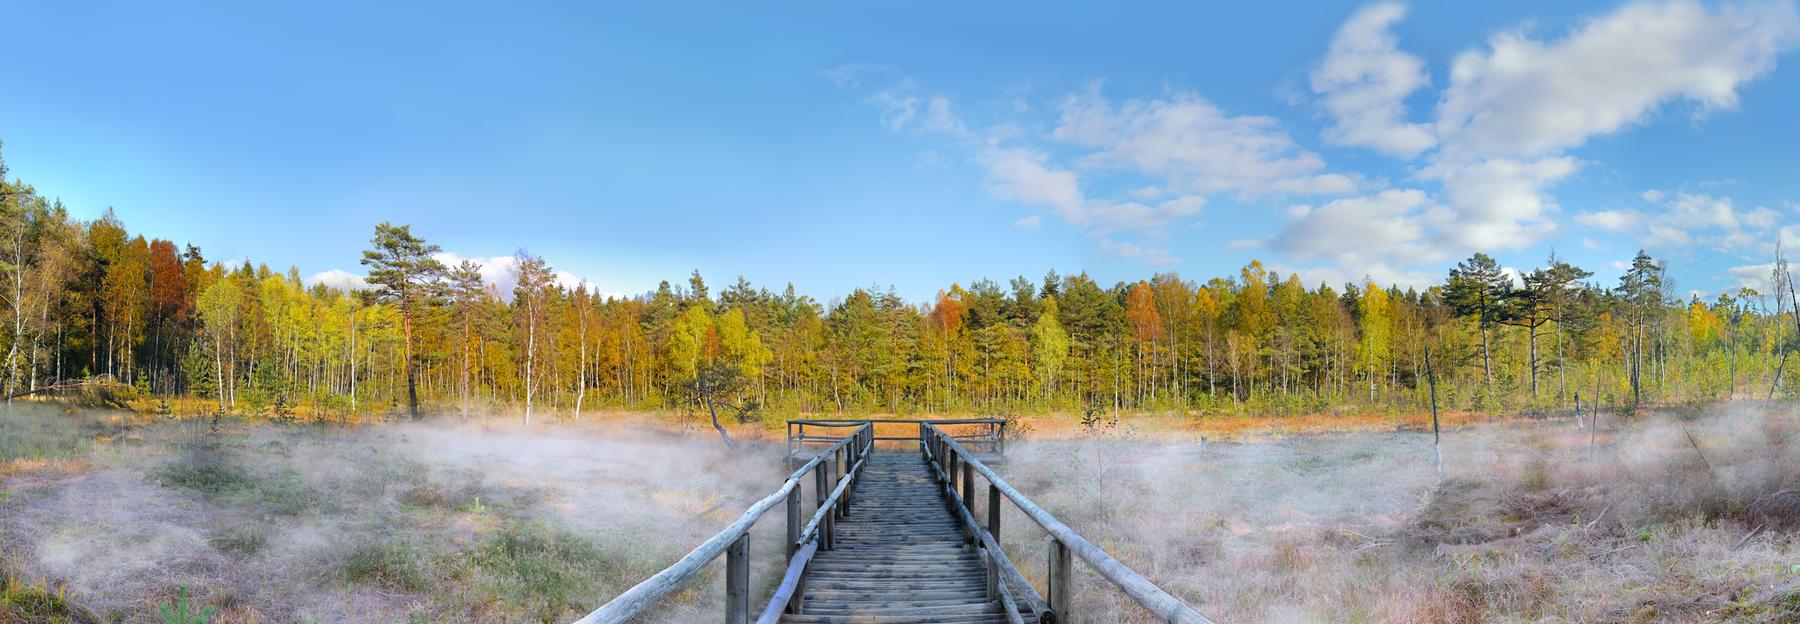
(180,612)
(394,565)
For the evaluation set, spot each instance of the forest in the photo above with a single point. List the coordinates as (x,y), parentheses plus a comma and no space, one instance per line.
(86,299)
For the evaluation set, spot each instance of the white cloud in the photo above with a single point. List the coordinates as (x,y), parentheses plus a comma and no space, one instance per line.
(1610,220)
(1193,145)
(497,272)
(1499,203)
(1029,223)
(339,279)
(1123,250)
(1109,216)
(1675,219)
(1025,176)
(1246,244)
(1152,255)
(1381,274)
(1499,140)
(1512,110)
(1751,276)
(1364,81)
(1523,97)
(1380,229)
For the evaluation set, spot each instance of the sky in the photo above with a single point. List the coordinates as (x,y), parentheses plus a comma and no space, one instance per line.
(914,145)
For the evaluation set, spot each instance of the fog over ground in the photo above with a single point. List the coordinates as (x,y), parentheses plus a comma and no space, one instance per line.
(1550,520)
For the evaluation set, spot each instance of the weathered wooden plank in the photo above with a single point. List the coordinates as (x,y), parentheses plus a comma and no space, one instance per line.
(641,596)
(1146,594)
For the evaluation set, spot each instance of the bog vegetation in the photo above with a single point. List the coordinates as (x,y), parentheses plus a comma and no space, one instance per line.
(89,298)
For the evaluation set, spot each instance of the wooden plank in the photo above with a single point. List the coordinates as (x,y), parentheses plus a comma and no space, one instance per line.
(646,593)
(1146,594)
(899,556)
(791,585)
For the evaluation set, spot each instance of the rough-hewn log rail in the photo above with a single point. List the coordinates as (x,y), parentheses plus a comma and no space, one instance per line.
(949,458)
(911,553)
(989,436)
(734,541)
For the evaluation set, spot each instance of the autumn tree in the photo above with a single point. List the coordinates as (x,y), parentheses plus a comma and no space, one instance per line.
(219,311)
(466,294)
(404,273)
(530,293)
(1641,292)
(1049,345)
(1477,289)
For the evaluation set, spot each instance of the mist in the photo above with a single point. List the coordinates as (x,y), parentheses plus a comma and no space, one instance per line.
(371,524)
(1550,520)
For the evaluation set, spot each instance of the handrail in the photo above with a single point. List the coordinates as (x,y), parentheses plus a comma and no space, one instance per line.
(1000,563)
(1147,594)
(734,538)
(989,434)
(848,422)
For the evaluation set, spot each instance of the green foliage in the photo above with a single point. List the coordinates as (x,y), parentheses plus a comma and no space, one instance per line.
(22,600)
(24,436)
(208,468)
(396,564)
(546,572)
(181,612)
(265,343)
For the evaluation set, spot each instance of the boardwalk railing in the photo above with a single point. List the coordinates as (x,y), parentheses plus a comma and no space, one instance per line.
(983,435)
(950,459)
(834,469)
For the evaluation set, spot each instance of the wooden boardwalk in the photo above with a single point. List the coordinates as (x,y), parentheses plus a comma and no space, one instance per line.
(900,556)
(893,536)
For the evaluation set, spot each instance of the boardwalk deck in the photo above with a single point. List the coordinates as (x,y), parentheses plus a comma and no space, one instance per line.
(899,556)
(893,538)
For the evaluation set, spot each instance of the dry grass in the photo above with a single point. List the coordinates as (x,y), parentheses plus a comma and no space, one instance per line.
(304,523)
(1525,525)
(1251,519)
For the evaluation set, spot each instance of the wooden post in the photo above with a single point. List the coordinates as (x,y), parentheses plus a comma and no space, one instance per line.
(993,574)
(794,521)
(1058,571)
(993,512)
(819,491)
(1436,437)
(737,581)
(968,488)
(837,511)
(968,499)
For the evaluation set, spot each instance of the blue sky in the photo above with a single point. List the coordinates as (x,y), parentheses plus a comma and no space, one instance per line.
(839,146)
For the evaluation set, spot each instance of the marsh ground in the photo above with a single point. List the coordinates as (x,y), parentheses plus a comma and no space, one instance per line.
(1527,522)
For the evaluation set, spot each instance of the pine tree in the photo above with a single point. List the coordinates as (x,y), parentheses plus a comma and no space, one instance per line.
(402,269)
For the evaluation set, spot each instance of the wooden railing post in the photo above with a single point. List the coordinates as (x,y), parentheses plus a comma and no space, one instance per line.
(968,499)
(794,520)
(1002,445)
(993,574)
(821,486)
(843,468)
(993,525)
(1058,573)
(737,581)
(968,487)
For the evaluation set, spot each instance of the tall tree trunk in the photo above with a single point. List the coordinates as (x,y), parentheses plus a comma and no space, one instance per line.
(412,383)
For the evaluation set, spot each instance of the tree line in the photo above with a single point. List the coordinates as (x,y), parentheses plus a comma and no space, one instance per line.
(89,298)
